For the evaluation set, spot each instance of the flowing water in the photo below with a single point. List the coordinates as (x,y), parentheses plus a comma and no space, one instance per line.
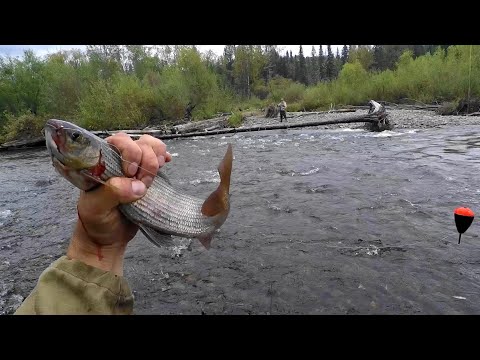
(322,222)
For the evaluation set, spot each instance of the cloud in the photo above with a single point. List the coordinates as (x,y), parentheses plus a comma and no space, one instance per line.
(40,50)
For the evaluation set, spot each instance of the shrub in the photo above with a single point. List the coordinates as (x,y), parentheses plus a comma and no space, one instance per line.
(236,119)
(23,126)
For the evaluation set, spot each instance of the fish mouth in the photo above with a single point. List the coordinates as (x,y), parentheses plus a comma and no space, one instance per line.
(55,138)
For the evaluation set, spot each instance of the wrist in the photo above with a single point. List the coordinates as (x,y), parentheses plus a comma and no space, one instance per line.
(108,257)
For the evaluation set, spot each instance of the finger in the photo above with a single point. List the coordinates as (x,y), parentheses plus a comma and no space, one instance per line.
(158,146)
(129,151)
(149,165)
(118,190)
(168,157)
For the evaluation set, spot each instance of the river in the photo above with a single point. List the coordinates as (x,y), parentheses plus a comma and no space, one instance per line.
(338,221)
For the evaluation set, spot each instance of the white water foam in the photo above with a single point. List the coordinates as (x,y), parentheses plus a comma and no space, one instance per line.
(310,172)
(4,214)
(211,176)
(389,133)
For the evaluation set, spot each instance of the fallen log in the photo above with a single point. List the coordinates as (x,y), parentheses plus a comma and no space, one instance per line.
(376,120)
(200,125)
(22,144)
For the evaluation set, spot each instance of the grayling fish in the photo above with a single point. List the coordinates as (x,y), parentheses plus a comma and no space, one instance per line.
(86,161)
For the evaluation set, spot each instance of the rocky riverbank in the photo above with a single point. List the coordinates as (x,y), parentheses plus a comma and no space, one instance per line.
(401,118)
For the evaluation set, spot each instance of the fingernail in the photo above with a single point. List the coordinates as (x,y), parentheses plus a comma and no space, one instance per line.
(132,169)
(147,180)
(161,160)
(138,187)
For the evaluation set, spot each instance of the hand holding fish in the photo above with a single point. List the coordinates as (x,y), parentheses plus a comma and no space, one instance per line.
(162,212)
(136,195)
(102,232)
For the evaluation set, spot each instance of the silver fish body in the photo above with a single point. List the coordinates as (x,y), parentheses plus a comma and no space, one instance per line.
(163,211)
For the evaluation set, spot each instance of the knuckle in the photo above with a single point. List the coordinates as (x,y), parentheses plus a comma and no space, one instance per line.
(122,134)
(121,187)
(152,162)
(146,138)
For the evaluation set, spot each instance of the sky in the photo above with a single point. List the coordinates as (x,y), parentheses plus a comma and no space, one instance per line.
(40,50)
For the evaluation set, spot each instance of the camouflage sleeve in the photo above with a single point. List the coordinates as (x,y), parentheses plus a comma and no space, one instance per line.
(72,287)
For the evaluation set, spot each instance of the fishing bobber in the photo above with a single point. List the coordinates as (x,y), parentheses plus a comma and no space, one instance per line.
(463,220)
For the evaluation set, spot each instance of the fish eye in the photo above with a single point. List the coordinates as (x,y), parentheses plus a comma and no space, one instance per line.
(75,136)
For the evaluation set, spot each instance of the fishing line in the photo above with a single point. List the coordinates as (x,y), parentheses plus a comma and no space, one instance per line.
(128,162)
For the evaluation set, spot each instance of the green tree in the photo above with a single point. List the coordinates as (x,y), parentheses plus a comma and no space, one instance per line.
(201,83)
(379,63)
(312,67)
(302,67)
(344,54)
(321,64)
(248,66)
(330,65)
(363,55)
(139,60)
(62,87)
(105,60)
(227,65)
(21,83)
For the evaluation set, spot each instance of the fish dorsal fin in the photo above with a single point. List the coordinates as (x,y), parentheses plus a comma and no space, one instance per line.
(218,201)
(157,238)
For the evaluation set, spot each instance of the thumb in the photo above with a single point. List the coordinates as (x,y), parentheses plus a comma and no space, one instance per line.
(117,190)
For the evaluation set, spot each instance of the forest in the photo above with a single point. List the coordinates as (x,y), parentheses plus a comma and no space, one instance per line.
(109,87)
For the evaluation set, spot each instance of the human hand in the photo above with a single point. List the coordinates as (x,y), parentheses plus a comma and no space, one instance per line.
(102,233)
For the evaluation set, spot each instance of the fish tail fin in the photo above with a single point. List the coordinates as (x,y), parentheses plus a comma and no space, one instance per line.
(217,205)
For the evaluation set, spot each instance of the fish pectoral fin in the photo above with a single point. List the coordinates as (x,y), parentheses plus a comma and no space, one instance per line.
(157,238)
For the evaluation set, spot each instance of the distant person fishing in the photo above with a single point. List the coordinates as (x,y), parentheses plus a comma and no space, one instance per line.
(282,107)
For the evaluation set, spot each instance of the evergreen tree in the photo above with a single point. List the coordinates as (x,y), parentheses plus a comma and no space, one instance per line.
(418,50)
(296,66)
(379,63)
(228,59)
(338,64)
(330,66)
(302,67)
(344,54)
(291,67)
(392,54)
(312,73)
(321,64)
